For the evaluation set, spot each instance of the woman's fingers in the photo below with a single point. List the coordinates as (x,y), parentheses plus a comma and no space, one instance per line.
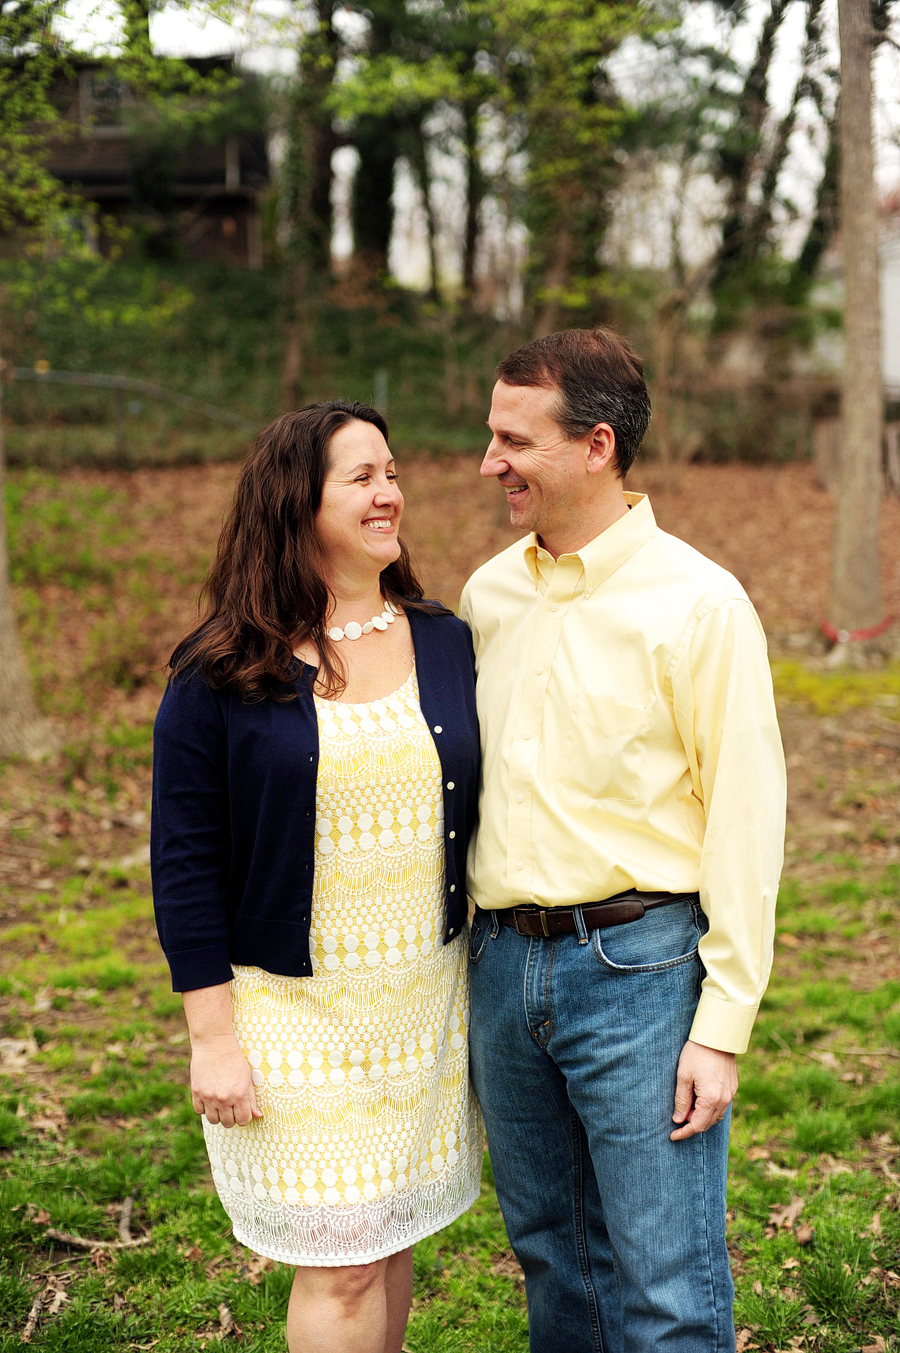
(238,1114)
(221,1084)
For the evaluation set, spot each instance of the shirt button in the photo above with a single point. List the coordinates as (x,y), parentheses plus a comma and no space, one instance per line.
(520,865)
(450,784)
(539,671)
(437,728)
(553,606)
(526,736)
(453,836)
(519,798)
(588,591)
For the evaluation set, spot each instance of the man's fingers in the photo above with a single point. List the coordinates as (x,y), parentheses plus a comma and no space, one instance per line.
(688,1130)
(706,1113)
(684,1097)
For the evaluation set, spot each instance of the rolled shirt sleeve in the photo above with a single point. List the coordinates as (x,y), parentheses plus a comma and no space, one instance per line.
(725,712)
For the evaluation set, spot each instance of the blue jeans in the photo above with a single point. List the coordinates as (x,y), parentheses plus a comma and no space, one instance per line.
(574,1048)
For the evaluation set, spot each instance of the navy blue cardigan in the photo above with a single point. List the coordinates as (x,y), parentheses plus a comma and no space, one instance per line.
(234,799)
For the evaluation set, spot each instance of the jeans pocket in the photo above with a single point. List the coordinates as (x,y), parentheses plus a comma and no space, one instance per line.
(478,938)
(663,938)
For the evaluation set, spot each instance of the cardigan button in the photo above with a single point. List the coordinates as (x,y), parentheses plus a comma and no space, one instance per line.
(453,887)
(453,836)
(437,728)
(450,784)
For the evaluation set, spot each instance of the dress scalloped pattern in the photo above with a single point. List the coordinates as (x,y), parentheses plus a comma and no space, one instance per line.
(370,1137)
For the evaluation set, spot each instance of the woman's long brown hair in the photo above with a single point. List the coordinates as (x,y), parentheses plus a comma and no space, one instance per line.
(265,593)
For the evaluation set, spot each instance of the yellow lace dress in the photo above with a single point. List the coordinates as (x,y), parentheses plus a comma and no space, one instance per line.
(370,1137)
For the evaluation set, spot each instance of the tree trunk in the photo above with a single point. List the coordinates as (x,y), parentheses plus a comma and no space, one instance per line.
(824,223)
(739,154)
(856,600)
(419,162)
(555,278)
(663,362)
(296,340)
(474,194)
(373,189)
(22,730)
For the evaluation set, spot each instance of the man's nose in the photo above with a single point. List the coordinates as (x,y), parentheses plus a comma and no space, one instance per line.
(493,463)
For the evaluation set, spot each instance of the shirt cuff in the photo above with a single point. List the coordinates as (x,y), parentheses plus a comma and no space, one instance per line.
(722,1025)
(195,968)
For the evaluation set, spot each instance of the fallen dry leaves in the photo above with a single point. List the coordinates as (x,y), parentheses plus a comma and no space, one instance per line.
(783,1218)
(48,1302)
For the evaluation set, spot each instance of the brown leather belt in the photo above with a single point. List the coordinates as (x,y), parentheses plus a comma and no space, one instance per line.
(545,922)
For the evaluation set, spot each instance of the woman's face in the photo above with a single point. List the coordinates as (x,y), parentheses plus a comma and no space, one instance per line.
(359,516)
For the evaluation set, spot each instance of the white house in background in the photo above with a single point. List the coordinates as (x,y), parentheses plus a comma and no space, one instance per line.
(890,315)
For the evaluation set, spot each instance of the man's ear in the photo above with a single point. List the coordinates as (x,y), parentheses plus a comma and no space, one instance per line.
(601,448)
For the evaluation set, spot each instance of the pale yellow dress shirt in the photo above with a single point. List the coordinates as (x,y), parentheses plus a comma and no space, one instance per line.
(630,740)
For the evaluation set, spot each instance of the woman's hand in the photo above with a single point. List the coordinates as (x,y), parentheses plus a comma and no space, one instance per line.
(221,1082)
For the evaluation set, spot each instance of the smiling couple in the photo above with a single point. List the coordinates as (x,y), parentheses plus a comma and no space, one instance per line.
(590,753)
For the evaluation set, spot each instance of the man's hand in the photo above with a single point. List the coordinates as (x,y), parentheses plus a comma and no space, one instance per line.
(221,1084)
(706,1084)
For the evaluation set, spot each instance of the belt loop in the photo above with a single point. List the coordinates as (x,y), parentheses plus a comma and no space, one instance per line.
(580,927)
(494,924)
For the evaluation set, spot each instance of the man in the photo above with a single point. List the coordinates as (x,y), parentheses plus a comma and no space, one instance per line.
(631,752)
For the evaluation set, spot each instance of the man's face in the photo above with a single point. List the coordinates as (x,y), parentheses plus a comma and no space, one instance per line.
(543,473)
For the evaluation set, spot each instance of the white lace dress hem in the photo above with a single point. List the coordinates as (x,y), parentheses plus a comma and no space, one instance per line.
(321,1237)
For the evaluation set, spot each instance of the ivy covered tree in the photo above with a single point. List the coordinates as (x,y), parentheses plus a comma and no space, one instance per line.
(36,218)
(30,56)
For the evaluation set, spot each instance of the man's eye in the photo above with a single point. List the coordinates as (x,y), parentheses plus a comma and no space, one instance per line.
(361,479)
(392,474)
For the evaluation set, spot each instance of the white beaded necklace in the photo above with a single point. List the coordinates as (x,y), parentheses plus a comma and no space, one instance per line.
(355,630)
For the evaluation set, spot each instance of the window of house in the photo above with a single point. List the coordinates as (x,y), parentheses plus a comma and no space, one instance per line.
(105,99)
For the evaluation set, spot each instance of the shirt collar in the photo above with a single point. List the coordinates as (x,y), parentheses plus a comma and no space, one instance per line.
(602,556)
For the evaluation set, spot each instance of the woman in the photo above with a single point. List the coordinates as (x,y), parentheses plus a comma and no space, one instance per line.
(315,782)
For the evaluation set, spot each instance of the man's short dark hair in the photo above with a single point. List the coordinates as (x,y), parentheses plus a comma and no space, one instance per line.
(599,378)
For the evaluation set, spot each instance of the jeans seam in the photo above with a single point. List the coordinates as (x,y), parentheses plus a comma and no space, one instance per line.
(643,967)
(580,1238)
(549,984)
(704,1184)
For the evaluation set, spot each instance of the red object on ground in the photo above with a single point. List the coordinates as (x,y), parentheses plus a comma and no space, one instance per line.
(837,636)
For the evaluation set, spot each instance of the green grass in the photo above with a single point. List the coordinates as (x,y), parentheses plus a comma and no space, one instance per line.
(817,1119)
(836,692)
(61,534)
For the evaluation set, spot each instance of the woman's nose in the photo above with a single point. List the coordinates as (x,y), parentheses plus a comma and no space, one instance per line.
(389,492)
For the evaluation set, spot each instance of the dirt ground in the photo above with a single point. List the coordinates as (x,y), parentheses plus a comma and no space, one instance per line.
(769,525)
